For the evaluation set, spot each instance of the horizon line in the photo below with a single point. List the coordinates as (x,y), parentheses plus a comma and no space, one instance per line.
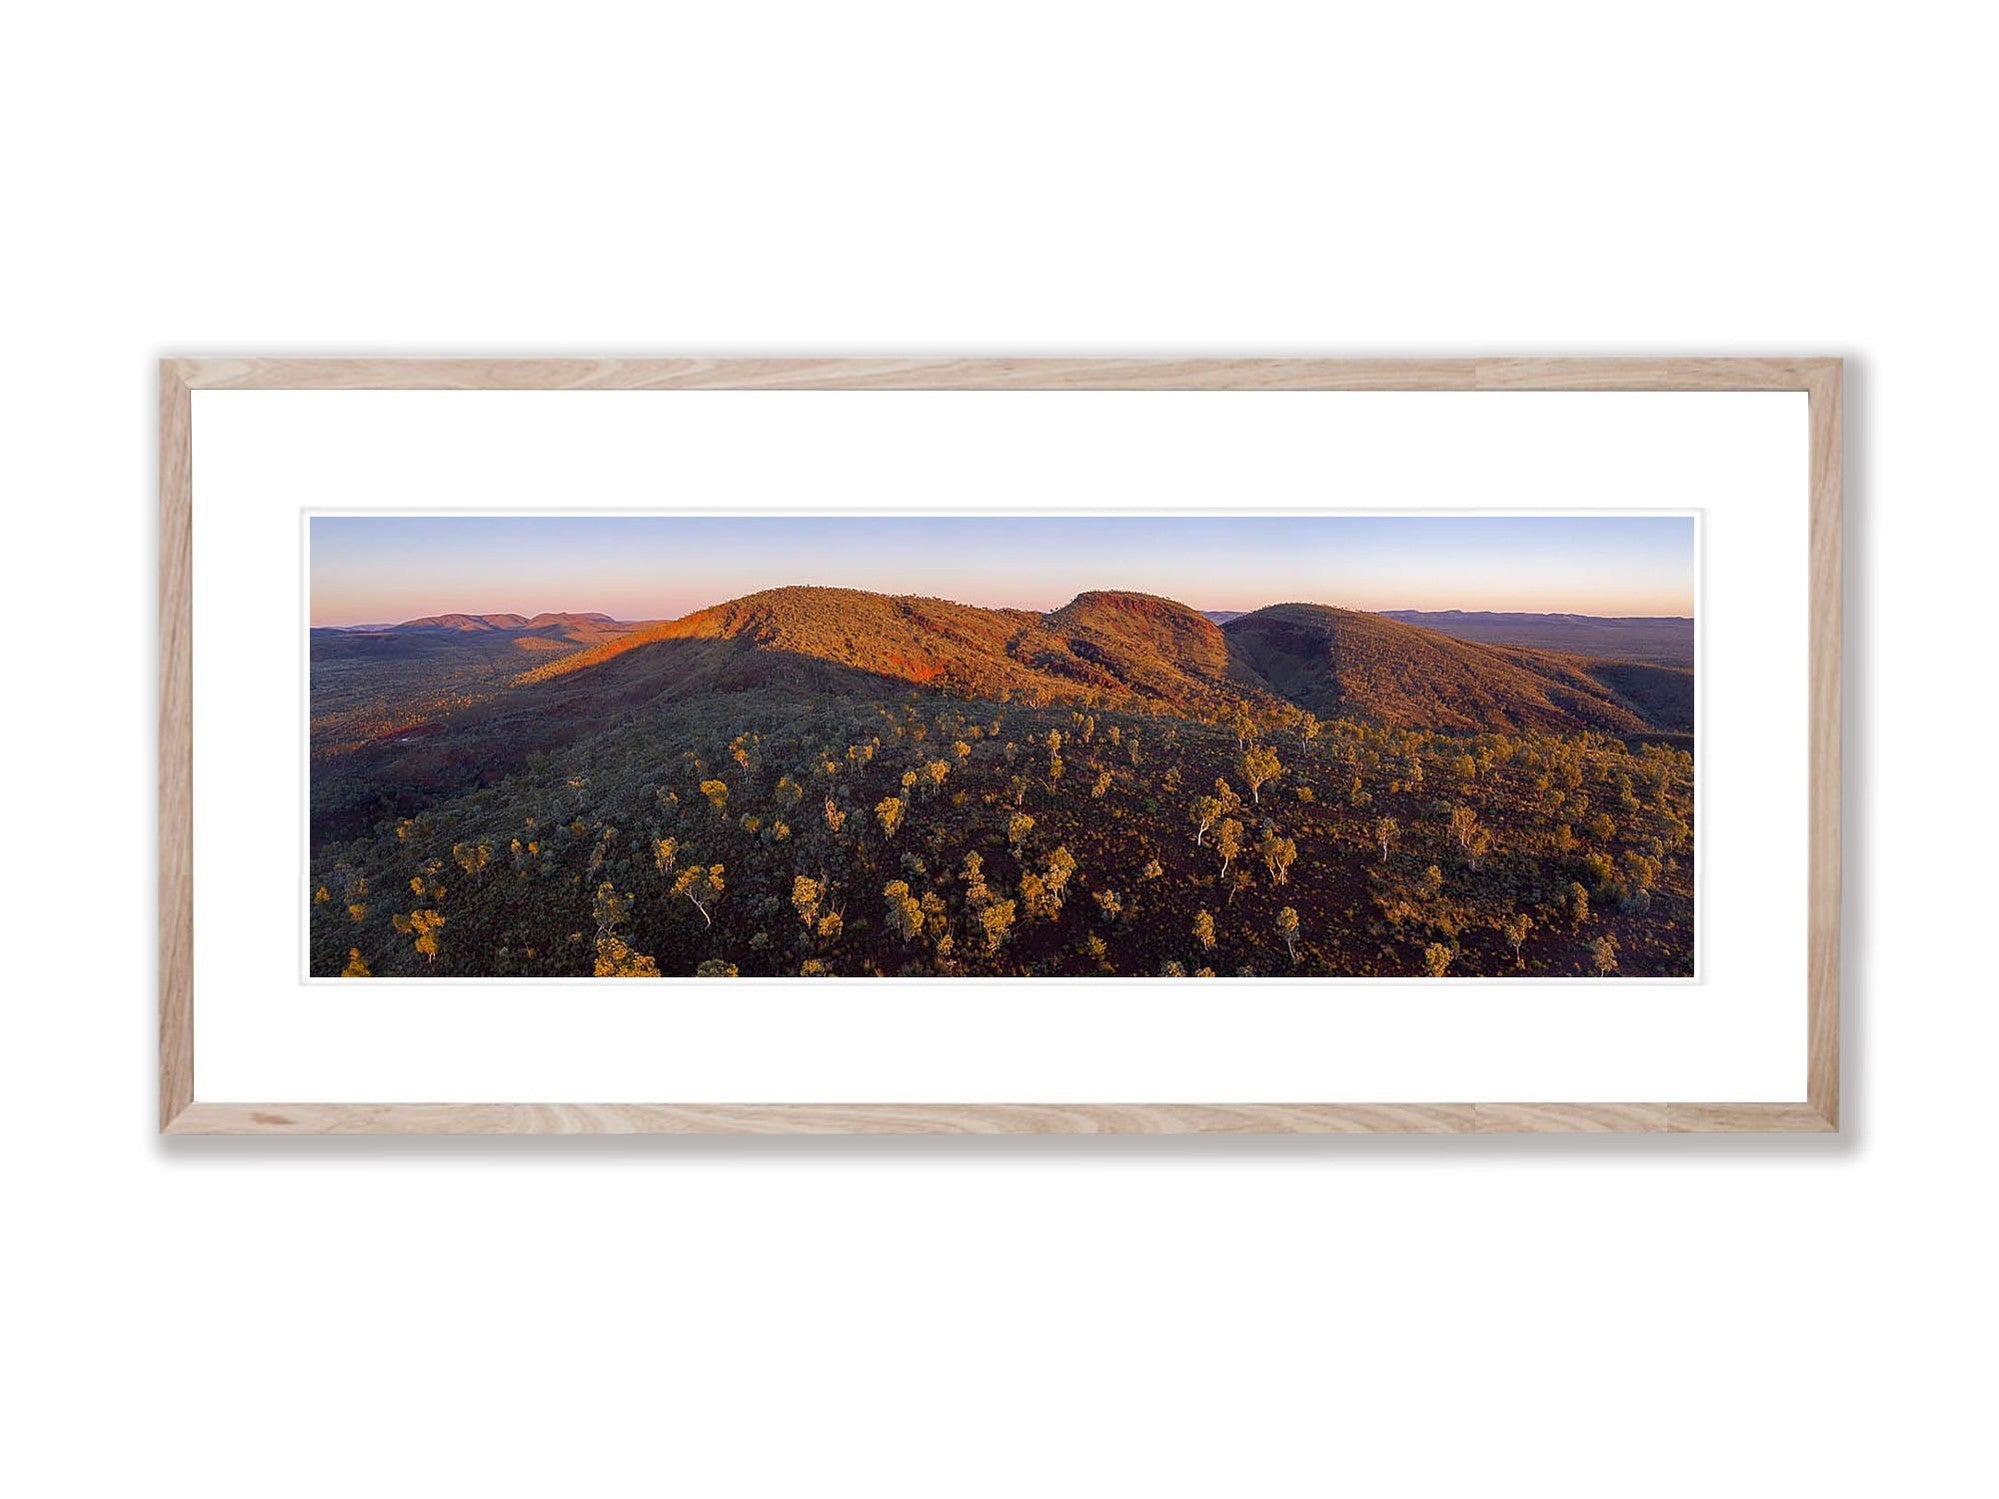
(530,614)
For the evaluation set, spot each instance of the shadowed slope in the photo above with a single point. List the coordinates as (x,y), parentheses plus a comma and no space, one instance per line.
(1118,649)
(1344,663)
(1661,640)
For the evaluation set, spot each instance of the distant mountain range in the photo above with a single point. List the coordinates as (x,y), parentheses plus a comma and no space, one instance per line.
(484,623)
(1662,639)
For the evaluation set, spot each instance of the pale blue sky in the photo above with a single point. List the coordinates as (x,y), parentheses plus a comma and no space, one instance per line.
(372,569)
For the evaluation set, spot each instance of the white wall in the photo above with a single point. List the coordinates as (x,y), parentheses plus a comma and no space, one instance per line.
(991,1317)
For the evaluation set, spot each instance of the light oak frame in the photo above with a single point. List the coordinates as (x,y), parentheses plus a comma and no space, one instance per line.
(182,1113)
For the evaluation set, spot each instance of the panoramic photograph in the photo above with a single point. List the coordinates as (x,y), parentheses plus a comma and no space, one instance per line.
(1325,746)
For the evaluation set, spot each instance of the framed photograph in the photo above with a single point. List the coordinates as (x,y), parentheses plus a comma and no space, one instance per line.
(1061,746)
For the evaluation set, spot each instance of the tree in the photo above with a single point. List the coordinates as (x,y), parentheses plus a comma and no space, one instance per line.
(1287,928)
(1043,893)
(1601,869)
(617,960)
(1278,855)
(1018,827)
(937,770)
(1464,827)
(1603,956)
(1228,842)
(1516,930)
(611,908)
(834,816)
(905,912)
(1057,868)
(423,925)
(1103,784)
(1481,843)
(1436,959)
(1386,831)
(357,967)
(1203,814)
(717,793)
(806,894)
(1204,930)
(1259,764)
(1241,723)
(664,852)
(701,887)
(1578,907)
(714,968)
(996,920)
(1109,904)
(888,812)
(973,872)
(937,921)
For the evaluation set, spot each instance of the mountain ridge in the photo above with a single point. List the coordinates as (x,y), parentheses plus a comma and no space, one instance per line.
(1124,648)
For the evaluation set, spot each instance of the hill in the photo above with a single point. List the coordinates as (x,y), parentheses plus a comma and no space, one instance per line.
(470,623)
(1342,663)
(814,781)
(1661,639)
(1115,649)
(1099,648)
(500,624)
(381,682)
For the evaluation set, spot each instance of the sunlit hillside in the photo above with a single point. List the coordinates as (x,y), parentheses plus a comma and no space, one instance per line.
(815,781)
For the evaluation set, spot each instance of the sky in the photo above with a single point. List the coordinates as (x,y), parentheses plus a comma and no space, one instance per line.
(385,569)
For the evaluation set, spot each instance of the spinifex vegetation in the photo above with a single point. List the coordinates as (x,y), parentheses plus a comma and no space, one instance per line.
(814,781)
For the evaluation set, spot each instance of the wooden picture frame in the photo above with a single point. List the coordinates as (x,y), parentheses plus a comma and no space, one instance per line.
(182,1112)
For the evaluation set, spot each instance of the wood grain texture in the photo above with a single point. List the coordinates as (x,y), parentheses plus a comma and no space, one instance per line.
(829,374)
(176,769)
(1652,374)
(1823,891)
(1819,378)
(1748,1118)
(994,1118)
(1571,1118)
(824,1119)
(1001,374)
